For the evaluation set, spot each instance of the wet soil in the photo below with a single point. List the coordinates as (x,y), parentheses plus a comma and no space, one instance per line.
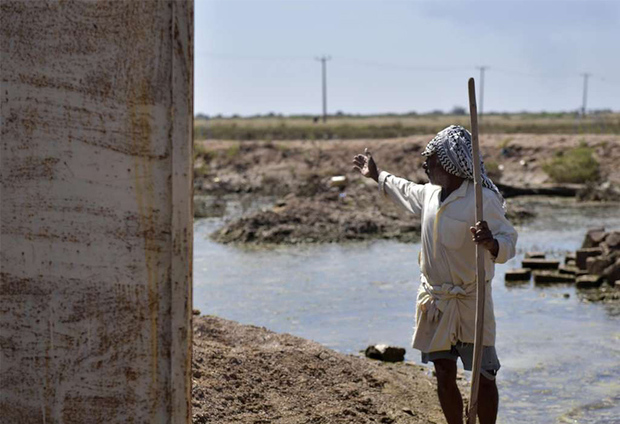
(309,210)
(329,216)
(246,374)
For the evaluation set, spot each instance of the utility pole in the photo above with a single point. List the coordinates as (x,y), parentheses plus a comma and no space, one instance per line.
(482,69)
(585,93)
(323,61)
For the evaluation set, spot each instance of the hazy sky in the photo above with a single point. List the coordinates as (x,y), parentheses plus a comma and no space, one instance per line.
(259,56)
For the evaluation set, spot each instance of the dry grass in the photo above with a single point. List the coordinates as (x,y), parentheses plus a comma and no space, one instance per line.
(390,126)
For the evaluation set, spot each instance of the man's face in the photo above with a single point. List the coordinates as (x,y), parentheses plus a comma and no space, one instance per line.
(433,169)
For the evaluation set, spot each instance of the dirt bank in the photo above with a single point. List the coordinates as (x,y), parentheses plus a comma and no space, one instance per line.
(331,216)
(245,374)
(310,211)
(282,167)
(325,215)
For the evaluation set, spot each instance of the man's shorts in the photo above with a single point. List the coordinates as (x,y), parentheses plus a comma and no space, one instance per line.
(465,351)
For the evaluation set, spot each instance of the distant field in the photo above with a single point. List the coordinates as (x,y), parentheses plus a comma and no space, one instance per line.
(390,126)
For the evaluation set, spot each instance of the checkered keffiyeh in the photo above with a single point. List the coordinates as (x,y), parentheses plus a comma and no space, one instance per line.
(453,148)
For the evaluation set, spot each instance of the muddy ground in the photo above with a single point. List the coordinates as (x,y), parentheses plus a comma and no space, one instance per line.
(245,374)
(309,210)
(250,375)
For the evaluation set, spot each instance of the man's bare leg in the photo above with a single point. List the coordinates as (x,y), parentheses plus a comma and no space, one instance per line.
(488,400)
(449,394)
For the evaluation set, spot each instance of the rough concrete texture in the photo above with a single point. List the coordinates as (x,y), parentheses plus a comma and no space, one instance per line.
(583,254)
(96,218)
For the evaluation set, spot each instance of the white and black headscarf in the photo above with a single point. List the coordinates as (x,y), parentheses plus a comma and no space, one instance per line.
(453,148)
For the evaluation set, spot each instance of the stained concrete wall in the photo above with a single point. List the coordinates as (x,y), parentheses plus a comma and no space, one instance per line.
(96,219)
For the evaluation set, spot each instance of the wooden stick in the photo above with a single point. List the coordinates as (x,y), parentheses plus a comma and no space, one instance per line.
(480,277)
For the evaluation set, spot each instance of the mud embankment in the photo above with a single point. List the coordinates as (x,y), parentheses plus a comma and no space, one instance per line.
(245,374)
(325,215)
(310,211)
(330,216)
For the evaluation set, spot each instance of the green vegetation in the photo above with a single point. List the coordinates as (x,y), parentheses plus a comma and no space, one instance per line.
(577,165)
(233,150)
(493,170)
(390,126)
(201,151)
(202,157)
(201,170)
(505,142)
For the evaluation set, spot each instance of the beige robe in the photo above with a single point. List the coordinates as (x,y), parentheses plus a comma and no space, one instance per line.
(446,303)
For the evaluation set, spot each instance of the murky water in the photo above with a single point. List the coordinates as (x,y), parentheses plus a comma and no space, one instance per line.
(560,356)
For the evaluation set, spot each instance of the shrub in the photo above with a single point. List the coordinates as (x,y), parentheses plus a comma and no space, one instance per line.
(201,151)
(233,150)
(577,165)
(493,170)
(505,142)
(201,170)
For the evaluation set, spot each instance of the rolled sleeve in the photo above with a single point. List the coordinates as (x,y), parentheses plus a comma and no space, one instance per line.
(502,229)
(382,176)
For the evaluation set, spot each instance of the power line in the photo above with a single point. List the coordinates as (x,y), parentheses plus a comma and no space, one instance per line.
(606,81)
(361,62)
(384,65)
(226,56)
(532,75)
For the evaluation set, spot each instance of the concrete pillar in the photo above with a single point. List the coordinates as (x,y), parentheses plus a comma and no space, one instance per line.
(96,211)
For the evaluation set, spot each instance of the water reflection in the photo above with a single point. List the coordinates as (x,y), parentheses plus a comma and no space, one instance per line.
(560,356)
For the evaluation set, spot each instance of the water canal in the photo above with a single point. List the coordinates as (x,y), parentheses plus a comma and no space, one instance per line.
(560,356)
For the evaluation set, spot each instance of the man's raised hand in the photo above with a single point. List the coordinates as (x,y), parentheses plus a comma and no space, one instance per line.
(366,166)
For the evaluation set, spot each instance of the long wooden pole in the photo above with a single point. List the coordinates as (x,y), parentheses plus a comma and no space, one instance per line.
(480,277)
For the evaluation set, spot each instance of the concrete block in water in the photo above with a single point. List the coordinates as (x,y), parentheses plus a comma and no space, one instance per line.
(540,264)
(570,258)
(583,254)
(589,281)
(593,237)
(385,353)
(518,274)
(597,264)
(613,240)
(612,272)
(547,277)
(571,269)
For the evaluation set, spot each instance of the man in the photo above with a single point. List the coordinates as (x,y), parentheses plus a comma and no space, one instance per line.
(446,302)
